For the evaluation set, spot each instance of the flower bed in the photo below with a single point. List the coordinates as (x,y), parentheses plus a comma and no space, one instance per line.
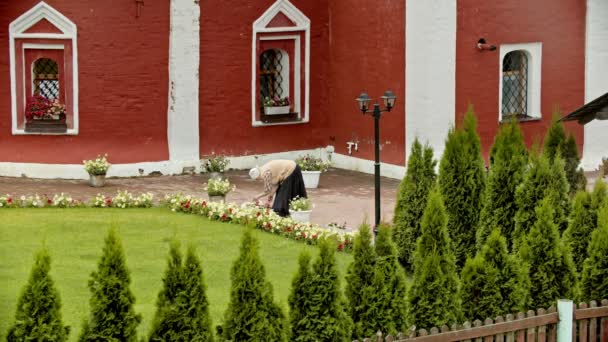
(261,218)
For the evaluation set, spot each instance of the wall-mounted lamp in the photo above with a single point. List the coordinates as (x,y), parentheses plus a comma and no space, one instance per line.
(482,45)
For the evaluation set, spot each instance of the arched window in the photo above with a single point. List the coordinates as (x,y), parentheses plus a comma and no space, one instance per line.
(515,84)
(45,73)
(274,75)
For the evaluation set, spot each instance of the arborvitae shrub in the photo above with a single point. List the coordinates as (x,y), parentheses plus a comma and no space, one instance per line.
(508,159)
(556,143)
(541,180)
(480,290)
(512,278)
(461,181)
(582,223)
(252,314)
(391,292)
(595,268)
(300,302)
(328,315)
(112,314)
(552,272)
(433,297)
(360,290)
(182,312)
(38,316)
(411,201)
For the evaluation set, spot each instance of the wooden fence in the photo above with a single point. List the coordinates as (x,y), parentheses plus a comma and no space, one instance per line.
(587,323)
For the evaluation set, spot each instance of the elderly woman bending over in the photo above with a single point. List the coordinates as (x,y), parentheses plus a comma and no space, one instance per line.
(283,178)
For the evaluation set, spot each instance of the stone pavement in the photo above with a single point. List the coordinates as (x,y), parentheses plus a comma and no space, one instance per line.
(342,196)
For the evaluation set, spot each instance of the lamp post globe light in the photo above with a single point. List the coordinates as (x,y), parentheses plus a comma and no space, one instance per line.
(388,100)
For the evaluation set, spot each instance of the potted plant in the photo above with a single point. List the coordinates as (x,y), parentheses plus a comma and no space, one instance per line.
(311,169)
(97,169)
(44,115)
(216,166)
(218,188)
(300,209)
(276,105)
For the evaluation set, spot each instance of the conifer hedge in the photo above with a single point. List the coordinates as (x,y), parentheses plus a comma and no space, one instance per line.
(595,268)
(433,296)
(411,201)
(112,315)
(38,316)
(252,314)
(508,159)
(461,181)
(557,144)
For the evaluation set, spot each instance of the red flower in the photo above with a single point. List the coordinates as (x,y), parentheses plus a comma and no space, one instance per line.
(258,213)
(108,200)
(49,201)
(9,200)
(230,210)
(340,247)
(223,217)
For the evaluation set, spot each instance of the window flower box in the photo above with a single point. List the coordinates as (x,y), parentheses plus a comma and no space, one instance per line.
(46,126)
(276,110)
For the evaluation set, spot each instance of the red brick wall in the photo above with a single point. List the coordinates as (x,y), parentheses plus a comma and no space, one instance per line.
(123,84)
(558,25)
(225,81)
(367,53)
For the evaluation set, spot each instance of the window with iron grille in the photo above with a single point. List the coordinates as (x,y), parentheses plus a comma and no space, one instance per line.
(46,78)
(515,84)
(271,79)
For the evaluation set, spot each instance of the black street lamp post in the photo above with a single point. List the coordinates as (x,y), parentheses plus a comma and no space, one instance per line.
(389,102)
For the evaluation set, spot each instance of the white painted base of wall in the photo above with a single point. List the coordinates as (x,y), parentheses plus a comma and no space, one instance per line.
(76,171)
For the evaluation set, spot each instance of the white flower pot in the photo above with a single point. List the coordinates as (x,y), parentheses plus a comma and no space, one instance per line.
(311,179)
(217,198)
(301,216)
(216,175)
(97,181)
(276,110)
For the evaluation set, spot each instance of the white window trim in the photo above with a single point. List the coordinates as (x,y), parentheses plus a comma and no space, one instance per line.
(302,24)
(534,53)
(68,31)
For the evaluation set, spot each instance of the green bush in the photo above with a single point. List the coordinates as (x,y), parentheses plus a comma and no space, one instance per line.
(182,312)
(556,143)
(480,291)
(411,201)
(360,290)
(389,280)
(552,272)
(595,268)
(508,159)
(582,223)
(433,297)
(252,314)
(38,316)
(301,303)
(541,180)
(112,314)
(461,181)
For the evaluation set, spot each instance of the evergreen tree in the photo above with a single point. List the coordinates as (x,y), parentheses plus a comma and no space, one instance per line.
(556,144)
(512,277)
(433,297)
(480,292)
(112,314)
(595,268)
(461,180)
(581,225)
(328,314)
(252,314)
(391,293)
(411,201)
(300,302)
(38,316)
(195,312)
(542,180)
(508,159)
(552,272)
(599,196)
(360,290)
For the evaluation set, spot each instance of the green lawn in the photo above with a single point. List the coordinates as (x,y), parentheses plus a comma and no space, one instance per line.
(74,238)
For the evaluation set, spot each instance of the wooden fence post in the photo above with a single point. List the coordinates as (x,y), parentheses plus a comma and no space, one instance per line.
(565,310)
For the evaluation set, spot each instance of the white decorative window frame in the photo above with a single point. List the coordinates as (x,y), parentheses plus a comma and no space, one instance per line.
(17,31)
(302,25)
(534,53)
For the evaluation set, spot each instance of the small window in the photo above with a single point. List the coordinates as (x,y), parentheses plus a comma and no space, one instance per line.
(275,102)
(515,85)
(46,78)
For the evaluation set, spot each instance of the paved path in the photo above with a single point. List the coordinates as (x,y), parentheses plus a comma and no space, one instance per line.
(342,197)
